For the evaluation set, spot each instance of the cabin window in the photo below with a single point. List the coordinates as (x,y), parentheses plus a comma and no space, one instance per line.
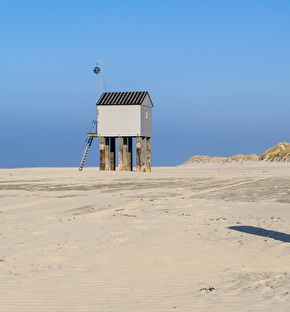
(146,114)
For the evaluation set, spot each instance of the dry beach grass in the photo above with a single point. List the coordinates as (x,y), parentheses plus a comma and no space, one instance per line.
(190,238)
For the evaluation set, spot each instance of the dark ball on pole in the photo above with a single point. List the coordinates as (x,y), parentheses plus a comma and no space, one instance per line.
(96,70)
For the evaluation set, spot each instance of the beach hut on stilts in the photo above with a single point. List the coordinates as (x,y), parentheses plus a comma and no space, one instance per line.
(124,118)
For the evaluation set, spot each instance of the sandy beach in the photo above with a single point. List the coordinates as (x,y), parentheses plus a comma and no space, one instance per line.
(190,238)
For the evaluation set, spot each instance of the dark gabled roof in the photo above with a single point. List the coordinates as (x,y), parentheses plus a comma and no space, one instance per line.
(122,98)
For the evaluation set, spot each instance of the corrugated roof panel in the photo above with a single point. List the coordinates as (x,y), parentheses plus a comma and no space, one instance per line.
(122,98)
(141,97)
(114,100)
(130,97)
(136,97)
(110,98)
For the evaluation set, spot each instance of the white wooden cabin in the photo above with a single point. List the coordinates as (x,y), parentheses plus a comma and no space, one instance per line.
(125,114)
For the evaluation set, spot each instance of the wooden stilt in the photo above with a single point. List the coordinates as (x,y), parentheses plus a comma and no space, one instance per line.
(112,153)
(130,160)
(138,153)
(107,153)
(149,154)
(143,154)
(102,153)
(120,153)
(125,154)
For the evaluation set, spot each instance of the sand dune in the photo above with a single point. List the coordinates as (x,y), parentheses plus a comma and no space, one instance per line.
(191,238)
(278,153)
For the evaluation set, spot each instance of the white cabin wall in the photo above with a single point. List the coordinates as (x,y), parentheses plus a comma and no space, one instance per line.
(125,120)
(146,123)
(119,120)
(147,102)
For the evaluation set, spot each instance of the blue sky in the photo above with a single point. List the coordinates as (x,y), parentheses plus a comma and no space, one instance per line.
(218,72)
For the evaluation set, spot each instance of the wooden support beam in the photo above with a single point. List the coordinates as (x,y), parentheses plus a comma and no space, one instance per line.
(107,153)
(143,154)
(125,154)
(149,154)
(112,154)
(120,153)
(102,153)
(138,153)
(130,156)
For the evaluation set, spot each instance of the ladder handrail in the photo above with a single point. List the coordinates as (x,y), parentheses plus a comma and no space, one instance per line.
(93,128)
(88,143)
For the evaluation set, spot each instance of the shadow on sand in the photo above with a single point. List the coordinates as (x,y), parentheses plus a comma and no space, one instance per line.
(282,237)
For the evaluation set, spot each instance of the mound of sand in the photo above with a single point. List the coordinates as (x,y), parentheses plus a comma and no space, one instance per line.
(205,159)
(234,158)
(242,158)
(278,153)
